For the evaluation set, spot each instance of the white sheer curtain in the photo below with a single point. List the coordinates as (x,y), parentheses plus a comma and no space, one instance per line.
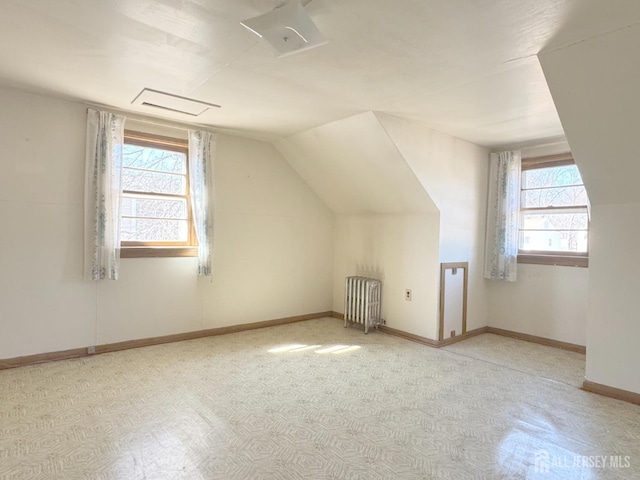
(201,159)
(103,170)
(503,208)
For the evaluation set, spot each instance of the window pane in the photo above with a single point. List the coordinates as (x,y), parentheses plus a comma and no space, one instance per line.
(551,177)
(554,221)
(554,197)
(148,230)
(143,181)
(154,207)
(553,241)
(154,159)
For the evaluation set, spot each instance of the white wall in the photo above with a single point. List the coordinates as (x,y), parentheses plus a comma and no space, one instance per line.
(613,327)
(406,199)
(44,303)
(355,168)
(400,250)
(275,239)
(387,226)
(546,301)
(594,84)
(454,172)
(267,222)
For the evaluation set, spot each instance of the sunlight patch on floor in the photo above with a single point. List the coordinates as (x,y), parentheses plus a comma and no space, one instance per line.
(318,348)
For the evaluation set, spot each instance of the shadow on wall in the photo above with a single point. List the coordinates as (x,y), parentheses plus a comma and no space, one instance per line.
(371,272)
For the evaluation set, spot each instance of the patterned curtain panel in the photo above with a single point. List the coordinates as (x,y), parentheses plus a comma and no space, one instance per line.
(201,159)
(103,169)
(503,208)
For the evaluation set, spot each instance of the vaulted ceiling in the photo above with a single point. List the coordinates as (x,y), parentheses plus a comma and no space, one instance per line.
(466,68)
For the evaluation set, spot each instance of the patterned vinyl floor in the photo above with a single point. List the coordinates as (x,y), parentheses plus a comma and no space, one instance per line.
(548,362)
(313,400)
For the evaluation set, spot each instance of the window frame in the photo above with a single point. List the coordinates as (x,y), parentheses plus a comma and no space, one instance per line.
(535,257)
(129,249)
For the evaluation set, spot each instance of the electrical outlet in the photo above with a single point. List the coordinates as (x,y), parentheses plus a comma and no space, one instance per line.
(91,350)
(407,295)
(453,333)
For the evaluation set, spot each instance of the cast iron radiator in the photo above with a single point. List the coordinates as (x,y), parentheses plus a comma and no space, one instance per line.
(362,297)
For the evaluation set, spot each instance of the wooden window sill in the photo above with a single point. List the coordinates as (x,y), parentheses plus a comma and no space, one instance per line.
(149,252)
(559,260)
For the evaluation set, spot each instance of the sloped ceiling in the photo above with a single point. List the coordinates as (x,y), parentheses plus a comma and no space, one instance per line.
(466,68)
(355,168)
(595,86)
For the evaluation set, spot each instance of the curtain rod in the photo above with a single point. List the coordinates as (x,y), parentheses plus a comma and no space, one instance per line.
(178,125)
(161,122)
(531,144)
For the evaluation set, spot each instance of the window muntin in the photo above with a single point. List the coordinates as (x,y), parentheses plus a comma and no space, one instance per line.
(155,208)
(554,217)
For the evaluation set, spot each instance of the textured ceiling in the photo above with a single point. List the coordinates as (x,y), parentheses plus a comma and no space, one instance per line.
(466,68)
(355,168)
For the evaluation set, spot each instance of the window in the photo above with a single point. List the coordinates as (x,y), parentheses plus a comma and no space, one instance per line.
(554,220)
(155,212)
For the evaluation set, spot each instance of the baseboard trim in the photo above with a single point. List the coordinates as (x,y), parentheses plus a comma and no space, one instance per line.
(146,342)
(409,336)
(15,362)
(472,333)
(458,338)
(430,342)
(423,340)
(535,339)
(612,392)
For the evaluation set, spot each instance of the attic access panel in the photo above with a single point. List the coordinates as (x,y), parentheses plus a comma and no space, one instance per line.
(172,103)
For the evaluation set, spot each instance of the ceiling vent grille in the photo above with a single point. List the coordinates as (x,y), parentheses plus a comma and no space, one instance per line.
(172,103)
(286,30)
